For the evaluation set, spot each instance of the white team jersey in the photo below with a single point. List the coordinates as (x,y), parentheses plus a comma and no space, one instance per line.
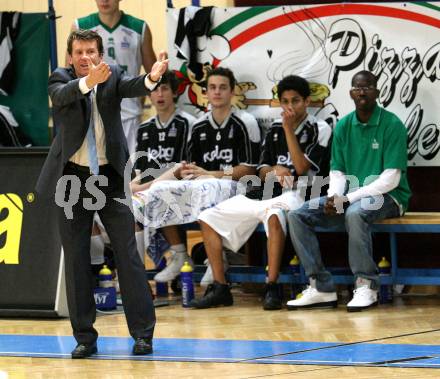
(122,46)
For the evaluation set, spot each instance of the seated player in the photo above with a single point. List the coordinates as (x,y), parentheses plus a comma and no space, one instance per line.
(224,144)
(297,145)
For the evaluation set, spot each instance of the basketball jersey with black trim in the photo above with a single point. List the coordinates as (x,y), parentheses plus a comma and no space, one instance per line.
(220,147)
(163,144)
(314,137)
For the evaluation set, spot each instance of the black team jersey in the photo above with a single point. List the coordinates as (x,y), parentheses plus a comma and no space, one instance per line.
(220,147)
(314,137)
(164,144)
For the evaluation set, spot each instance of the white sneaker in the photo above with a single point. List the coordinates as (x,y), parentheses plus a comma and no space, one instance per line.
(174,265)
(363,297)
(312,298)
(208,277)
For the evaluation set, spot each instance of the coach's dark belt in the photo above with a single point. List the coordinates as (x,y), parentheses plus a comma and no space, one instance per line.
(86,169)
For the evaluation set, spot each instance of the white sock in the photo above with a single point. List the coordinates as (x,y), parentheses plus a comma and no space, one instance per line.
(179,248)
(96,250)
(140,243)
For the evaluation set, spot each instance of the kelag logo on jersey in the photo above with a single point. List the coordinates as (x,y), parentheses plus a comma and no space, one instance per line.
(11,219)
(163,153)
(224,154)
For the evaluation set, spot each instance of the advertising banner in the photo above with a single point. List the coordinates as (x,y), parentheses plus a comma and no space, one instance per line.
(30,247)
(326,44)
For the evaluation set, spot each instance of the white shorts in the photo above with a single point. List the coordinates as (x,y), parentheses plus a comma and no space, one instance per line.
(101,228)
(131,126)
(176,202)
(236,219)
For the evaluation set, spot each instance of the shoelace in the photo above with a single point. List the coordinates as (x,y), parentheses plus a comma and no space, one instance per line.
(209,289)
(308,290)
(361,290)
(273,287)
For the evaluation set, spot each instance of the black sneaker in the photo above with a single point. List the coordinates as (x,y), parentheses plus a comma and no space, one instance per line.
(216,294)
(272,299)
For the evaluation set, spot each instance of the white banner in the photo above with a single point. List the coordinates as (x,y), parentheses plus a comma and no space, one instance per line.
(327,45)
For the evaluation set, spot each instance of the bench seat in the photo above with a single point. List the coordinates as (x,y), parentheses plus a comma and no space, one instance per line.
(411,222)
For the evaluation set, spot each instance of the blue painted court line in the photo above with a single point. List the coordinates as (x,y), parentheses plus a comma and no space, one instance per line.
(249,351)
(169,349)
(365,354)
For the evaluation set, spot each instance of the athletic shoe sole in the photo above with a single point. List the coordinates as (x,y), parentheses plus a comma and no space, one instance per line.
(358,309)
(327,304)
(212,306)
(272,308)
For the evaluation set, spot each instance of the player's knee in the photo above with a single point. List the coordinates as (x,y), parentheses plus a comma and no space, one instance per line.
(274,223)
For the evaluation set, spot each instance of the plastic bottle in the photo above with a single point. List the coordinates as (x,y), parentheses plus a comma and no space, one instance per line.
(296,286)
(105,277)
(186,277)
(105,294)
(386,289)
(161,288)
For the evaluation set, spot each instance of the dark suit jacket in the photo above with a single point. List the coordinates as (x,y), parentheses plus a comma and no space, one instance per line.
(71,113)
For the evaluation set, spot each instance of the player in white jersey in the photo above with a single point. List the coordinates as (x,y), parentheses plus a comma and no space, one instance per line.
(128,43)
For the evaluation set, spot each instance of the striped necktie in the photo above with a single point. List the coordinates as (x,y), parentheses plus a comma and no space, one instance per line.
(91,140)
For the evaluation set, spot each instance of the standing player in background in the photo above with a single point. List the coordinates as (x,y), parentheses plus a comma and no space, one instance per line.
(128,43)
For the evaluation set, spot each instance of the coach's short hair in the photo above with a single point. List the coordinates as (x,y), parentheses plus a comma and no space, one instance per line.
(84,35)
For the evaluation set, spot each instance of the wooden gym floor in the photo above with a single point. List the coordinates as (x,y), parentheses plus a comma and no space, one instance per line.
(401,340)
(410,327)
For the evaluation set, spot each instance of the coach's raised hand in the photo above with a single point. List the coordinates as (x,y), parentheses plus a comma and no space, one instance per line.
(159,67)
(97,74)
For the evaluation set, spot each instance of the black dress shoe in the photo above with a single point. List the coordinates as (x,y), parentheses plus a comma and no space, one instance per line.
(83,350)
(142,346)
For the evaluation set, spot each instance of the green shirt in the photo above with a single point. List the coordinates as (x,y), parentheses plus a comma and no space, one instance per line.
(366,150)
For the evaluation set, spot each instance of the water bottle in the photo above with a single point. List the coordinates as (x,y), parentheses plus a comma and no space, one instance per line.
(105,277)
(186,277)
(295,287)
(105,294)
(386,290)
(162,288)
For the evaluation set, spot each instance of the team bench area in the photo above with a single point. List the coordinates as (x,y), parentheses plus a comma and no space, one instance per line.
(411,222)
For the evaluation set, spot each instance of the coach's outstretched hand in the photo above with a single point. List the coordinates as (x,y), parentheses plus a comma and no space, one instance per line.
(159,67)
(97,74)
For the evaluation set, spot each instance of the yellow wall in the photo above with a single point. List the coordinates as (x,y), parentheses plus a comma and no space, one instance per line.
(152,11)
